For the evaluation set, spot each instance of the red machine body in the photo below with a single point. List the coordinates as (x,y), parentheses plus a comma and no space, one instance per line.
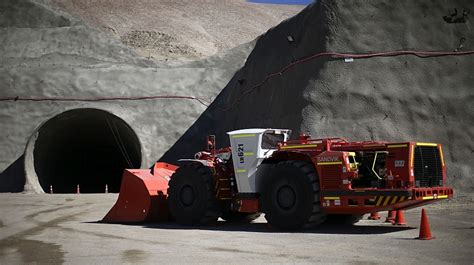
(352,179)
(395,181)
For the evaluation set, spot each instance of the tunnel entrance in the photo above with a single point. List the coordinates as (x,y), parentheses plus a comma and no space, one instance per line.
(86,147)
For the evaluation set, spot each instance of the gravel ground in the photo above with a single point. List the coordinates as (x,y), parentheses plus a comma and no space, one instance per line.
(58,229)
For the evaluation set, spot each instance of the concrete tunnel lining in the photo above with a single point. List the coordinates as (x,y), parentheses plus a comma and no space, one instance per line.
(89,147)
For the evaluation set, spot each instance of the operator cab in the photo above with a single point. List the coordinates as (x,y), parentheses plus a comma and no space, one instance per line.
(249,148)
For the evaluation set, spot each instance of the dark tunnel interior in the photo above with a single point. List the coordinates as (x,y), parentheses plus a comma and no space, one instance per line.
(85,147)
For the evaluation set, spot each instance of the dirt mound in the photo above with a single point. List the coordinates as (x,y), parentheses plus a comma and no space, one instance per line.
(25,14)
(190,29)
(151,42)
(290,81)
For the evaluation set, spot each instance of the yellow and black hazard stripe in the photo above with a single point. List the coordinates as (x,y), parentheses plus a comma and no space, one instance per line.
(389,200)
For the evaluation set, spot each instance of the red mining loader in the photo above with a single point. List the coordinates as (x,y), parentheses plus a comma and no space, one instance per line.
(300,183)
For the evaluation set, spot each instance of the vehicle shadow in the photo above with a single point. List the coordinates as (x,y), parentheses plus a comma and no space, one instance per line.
(376,228)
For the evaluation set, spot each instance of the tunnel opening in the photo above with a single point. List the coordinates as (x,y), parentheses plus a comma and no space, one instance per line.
(85,147)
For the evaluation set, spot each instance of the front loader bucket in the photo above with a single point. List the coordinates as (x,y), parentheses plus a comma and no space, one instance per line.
(143,195)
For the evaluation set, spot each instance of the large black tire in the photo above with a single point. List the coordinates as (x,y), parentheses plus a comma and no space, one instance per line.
(343,219)
(237,217)
(290,196)
(191,198)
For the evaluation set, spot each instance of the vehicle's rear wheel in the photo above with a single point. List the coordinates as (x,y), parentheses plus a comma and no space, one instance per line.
(190,195)
(239,217)
(290,196)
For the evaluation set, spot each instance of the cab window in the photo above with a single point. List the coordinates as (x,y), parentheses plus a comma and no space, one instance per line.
(271,140)
(352,161)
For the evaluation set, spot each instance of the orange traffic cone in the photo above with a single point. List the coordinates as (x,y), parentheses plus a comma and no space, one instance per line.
(425,232)
(390,217)
(106,189)
(374,216)
(78,190)
(50,189)
(400,218)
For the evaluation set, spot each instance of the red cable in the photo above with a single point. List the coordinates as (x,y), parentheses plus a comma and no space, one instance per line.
(200,100)
(422,54)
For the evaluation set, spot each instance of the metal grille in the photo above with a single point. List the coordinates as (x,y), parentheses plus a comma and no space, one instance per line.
(331,177)
(427,165)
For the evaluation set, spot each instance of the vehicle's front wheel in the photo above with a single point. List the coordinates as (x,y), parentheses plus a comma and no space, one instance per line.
(191,198)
